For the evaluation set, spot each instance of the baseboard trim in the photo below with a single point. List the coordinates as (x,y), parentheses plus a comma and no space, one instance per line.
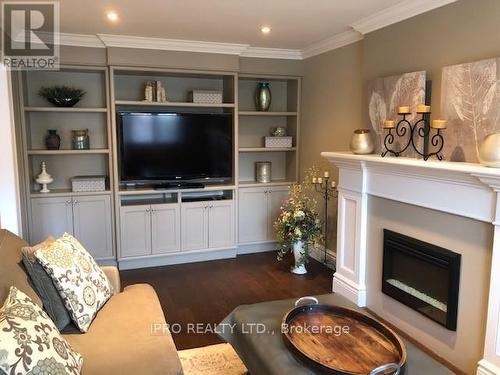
(319,255)
(345,289)
(256,248)
(178,258)
(486,368)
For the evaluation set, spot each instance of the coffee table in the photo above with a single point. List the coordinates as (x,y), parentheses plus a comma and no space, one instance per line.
(255,333)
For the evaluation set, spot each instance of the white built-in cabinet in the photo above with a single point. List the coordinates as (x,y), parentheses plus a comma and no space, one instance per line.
(259,207)
(88,218)
(207,225)
(150,229)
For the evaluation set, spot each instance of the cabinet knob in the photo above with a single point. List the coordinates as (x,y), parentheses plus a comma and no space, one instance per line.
(148,210)
(75,202)
(68,202)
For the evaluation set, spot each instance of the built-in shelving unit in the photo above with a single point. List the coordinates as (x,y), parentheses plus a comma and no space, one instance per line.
(89,215)
(147,227)
(255,125)
(171,209)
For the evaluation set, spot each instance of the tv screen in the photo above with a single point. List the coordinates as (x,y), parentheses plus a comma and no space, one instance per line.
(175,146)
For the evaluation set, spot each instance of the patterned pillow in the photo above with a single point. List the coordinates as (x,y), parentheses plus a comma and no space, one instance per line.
(52,301)
(82,285)
(30,342)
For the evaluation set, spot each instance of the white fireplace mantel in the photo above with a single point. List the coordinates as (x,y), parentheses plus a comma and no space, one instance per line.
(464,189)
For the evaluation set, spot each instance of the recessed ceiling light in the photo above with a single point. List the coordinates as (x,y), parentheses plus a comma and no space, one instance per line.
(112,16)
(265,29)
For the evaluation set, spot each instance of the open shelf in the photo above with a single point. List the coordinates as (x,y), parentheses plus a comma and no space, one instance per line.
(260,113)
(172,104)
(67,192)
(267,149)
(65,109)
(68,152)
(243,184)
(158,191)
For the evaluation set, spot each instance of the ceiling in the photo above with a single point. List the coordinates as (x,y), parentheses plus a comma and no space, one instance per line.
(295,24)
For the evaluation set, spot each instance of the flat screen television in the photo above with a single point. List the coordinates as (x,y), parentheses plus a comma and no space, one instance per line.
(166,147)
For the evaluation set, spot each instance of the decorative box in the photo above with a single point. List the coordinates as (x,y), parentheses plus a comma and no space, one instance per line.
(278,142)
(88,183)
(207,97)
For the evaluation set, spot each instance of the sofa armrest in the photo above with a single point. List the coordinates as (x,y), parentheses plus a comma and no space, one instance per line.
(113,276)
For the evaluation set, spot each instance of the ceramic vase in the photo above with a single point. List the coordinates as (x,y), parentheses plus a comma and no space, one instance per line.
(489,151)
(298,253)
(52,140)
(362,142)
(263,97)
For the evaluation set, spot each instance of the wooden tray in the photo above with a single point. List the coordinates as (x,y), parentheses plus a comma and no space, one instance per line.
(314,334)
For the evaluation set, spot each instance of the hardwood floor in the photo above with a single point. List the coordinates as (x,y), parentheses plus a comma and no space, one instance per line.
(206,292)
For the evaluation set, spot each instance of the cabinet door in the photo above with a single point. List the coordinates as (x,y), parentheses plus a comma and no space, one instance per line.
(135,234)
(50,217)
(92,224)
(253,215)
(194,226)
(165,228)
(276,197)
(221,224)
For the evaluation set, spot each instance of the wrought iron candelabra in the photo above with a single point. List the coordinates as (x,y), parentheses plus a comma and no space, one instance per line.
(419,130)
(328,190)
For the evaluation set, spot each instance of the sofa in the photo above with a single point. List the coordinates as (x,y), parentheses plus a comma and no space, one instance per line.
(120,339)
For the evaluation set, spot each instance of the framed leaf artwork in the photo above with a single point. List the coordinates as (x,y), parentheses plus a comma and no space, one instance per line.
(387,94)
(470,102)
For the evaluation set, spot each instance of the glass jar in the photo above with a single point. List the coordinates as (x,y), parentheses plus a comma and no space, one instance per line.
(80,139)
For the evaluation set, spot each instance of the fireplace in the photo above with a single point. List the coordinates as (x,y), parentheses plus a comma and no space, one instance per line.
(422,276)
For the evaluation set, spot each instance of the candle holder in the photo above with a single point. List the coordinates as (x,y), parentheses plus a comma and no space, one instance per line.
(328,190)
(421,129)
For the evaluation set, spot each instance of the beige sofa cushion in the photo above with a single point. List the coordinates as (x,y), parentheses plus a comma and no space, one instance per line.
(11,271)
(120,341)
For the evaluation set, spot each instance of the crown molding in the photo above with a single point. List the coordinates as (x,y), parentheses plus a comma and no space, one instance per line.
(125,41)
(336,41)
(397,13)
(80,40)
(273,53)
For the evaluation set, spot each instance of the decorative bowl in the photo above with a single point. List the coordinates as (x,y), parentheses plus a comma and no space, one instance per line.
(61,96)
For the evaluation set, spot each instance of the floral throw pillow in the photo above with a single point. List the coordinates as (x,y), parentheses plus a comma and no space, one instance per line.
(82,284)
(30,342)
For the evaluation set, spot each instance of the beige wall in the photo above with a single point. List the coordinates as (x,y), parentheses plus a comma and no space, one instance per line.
(464,31)
(334,99)
(470,238)
(331,102)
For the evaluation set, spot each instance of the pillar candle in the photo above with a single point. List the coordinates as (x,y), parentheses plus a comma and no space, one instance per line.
(333,184)
(438,124)
(326,174)
(404,109)
(314,180)
(389,124)
(320,180)
(424,108)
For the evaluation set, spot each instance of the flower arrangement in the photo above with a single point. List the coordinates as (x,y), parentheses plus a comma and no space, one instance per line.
(299,221)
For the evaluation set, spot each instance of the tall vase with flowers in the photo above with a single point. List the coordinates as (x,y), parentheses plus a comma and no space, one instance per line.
(298,227)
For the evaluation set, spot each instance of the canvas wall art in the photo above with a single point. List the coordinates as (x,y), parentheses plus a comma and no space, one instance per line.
(470,102)
(386,94)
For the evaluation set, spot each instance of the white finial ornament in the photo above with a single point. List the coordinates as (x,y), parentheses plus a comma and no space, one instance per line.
(44,179)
